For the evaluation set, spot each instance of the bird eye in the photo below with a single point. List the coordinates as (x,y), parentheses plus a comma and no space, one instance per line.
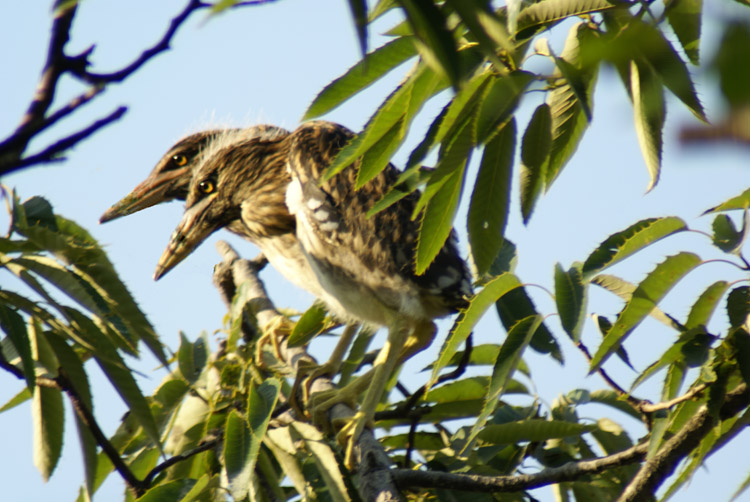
(179,159)
(207,186)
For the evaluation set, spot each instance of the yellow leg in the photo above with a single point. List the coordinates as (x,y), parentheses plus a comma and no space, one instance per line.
(278,327)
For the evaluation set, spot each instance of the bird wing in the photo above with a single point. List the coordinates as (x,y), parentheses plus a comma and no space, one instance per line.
(379,250)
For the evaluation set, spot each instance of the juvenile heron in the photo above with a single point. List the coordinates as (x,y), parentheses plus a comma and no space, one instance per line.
(365,266)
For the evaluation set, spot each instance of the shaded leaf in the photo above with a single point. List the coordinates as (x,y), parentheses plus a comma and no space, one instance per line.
(570,296)
(359,13)
(604,326)
(237,456)
(535,148)
(499,103)
(379,155)
(726,236)
(551,11)
(191,357)
(534,429)
(738,306)
(47,411)
(646,296)
(634,238)
(171,491)
(328,466)
(14,326)
(704,307)
(734,77)
(684,17)
(486,28)
(490,200)
(649,115)
(510,354)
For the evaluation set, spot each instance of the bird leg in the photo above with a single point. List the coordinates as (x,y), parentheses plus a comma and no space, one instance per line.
(398,347)
(307,373)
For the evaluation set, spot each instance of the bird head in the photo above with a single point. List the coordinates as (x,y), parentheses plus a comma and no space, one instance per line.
(243,182)
(168,180)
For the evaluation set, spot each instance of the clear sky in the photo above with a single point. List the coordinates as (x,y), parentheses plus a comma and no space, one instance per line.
(266,64)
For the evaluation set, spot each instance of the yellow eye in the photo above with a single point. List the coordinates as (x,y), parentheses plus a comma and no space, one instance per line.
(179,159)
(207,186)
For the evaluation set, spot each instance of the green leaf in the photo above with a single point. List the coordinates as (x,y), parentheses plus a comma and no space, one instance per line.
(625,290)
(360,76)
(741,201)
(470,316)
(19,398)
(734,78)
(485,27)
(442,195)
(550,11)
(646,296)
(738,306)
(649,115)
(604,326)
(469,389)
(379,155)
(499,103)
(435,43)
(634,238)
(48,418)
(14,326)
(740,342)
(571,299)
(191,358)
(705,305)
(518,338)
(171,491)
(726,236)
(359,13)
(310,324)
(237,455)
(534,429)
(535,149)
(570,102)
(329,467)
(612,399)
(490,200)
(684,17)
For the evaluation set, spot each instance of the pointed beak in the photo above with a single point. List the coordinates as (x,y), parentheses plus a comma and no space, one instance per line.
(193,229)
(158,187)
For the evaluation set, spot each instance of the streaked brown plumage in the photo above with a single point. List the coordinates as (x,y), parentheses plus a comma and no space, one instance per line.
(364,267)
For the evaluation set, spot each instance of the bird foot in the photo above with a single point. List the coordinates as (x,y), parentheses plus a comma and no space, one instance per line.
(307,373)
(274,332)
(349,433)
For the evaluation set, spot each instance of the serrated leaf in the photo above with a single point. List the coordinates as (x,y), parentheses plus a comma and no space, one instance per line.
(441,196)
(649,114)
(490,200)
(379,155)
(328,466)
(625,290)
(359,14)
(470,316)
(570,296)
(684,17)
(646,296)
(726,236)
(499,103)
(535,148)
(191,358)
(48,418)
(14,326)
(435,42)
(534,429)
(612,399)
(551,11)
(604,326)
(704,307)
(310,324)
(508,359)
(171,491)
(738,306)
(360,76)
(237,455)
(634,238)
(489,31)
(570,102)
(741,201)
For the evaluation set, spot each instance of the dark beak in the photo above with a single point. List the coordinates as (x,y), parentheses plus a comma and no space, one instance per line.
(157,188)
(193,229)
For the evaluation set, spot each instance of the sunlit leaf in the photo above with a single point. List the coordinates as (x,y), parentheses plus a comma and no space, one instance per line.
(646,296)
(191,357)
(634,238)
(490,200)
(551,11)
(14,326)
(649,115)
(534,429)
(499,103)
(47,413)
(171,491)
(328,466)
(310,324)
(705,305)
(469,317)
(360,76)
(741,201)
(485,27)
(238,462)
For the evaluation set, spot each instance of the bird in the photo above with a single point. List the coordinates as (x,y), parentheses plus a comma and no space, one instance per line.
(364,265)
(170,178)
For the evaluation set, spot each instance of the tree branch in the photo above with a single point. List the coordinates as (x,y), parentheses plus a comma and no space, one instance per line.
(659,467)
(571,471)
(375,474)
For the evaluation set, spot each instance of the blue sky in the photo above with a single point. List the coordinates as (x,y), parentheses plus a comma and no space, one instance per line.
(266,64)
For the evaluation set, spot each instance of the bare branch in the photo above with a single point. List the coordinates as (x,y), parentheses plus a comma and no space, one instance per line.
(204,446)
(659,467)
(647,407)
(407,478)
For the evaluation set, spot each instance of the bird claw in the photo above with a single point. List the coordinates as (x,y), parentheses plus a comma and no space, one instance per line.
(275,330)
(349,433)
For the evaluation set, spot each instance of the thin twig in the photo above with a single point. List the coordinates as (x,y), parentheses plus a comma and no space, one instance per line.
(647,407)
(635,402)
(204,446)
